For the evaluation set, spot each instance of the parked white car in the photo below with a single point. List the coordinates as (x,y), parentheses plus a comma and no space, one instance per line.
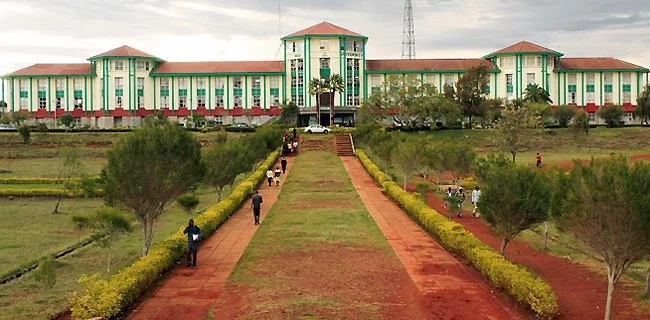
(317,128)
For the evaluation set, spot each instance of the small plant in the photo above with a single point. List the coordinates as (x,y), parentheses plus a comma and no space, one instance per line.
(66,120)
(42,127)
(24,133)
(423,190)
(46,272)
(188,201)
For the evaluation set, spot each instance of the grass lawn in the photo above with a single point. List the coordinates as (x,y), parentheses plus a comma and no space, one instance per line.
(46,167)
(28,230)
(298,261)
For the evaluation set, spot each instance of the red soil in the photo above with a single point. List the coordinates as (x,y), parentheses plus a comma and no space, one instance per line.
(581,292)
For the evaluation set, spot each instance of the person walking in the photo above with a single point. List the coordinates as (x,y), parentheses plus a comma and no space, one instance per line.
(193,235)
(448,201)
(283,162)
(476,195)
(278,172)
(295,146)
(538,157)
(461,198)
(269,176)
(256,203)
(295,133)
(285,134)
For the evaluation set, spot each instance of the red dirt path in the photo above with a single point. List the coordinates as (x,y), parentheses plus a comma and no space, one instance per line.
(188,293)
(451,289)
(580,291)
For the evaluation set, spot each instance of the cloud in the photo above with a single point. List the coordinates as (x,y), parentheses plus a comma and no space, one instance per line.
(192,30)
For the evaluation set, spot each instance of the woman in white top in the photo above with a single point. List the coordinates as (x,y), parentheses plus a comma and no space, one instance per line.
(476,195)
(269,176)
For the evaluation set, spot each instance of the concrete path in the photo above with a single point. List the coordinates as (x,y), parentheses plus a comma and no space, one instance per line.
(188,293)
(436,273)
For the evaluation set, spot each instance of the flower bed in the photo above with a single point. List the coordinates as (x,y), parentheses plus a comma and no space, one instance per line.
(519,282)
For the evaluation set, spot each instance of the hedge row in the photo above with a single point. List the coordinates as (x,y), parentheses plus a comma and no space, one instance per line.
(107,298)
(28,193)
(517,281)
(34,180)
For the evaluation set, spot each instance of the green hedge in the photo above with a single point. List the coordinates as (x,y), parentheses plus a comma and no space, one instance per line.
(107,298)
(35,180)
(517,281)
(26,193)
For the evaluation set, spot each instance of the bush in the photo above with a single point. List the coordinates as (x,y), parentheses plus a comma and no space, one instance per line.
(517,281)
(188,201)
(24,133)
(106,298)
(422,189)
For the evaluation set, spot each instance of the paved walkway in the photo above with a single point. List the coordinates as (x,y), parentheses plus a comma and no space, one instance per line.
(188,293)
(436,273)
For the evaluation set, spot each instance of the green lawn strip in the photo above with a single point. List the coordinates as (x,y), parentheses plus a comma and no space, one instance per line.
(46,167)
(30,186)
(24,298)
(336,222)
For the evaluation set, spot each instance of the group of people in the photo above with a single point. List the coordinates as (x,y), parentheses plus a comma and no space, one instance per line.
(459,195)
(289,144)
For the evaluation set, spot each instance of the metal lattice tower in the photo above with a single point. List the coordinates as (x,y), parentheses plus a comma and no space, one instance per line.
(408,32)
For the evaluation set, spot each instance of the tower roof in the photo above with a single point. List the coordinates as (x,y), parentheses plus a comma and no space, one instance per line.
(524,47)
(324,29)
(124,51)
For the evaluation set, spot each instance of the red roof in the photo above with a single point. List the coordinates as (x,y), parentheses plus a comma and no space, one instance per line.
(524,46)
(596,63)
(124,51)
(219,67)
(426,64)
(324,28)
(54,69)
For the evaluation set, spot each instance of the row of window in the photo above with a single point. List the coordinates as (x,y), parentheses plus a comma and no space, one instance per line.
(529,61)
(43,103)
(121,65)
(324,45)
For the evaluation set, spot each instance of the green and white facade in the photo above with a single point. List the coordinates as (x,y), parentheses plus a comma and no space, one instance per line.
(121,86)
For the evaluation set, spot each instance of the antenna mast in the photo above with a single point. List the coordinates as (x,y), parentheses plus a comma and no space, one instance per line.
(408,32)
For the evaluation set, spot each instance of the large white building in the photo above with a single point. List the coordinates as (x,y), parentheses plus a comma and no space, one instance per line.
(123,85)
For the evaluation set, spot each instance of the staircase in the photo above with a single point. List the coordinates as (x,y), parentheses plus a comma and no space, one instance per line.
(344,145)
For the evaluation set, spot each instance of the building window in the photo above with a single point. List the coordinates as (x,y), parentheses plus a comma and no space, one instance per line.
(182,84)
(509,86)
(78,103)
(628,117)
(572,87)
(119,65)
(256,91)
(119,83)
(274,84)
(572,97)
(23,103)
(238,101)
(200,92)
(140,102)
(449,79)
(182,101)
(352,82)
(354,46)
(218,101)
(164,101)
(324,63)
(529,62)
(42,103)
(590,79)
(237,82)
(592,117)
(530,78)
(608,87)
(118,102)
(297,82)
(506,62)
(218,120)
(42,85)
(219,92)
(627,88)
(142,65)
(324,45)
(257,101)
(201,101)
(539,61)
(24,85)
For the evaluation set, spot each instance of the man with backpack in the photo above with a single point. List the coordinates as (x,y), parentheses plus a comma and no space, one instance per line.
(193,236)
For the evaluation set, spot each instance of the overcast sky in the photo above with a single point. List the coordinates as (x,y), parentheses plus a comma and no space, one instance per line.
(49,31)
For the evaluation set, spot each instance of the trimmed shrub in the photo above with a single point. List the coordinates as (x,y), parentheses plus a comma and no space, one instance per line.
(519,282)
(188,202)
(107,298)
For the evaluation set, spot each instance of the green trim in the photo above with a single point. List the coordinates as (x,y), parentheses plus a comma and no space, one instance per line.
(227,104)
(305,76)
(49,94)
(85,106)
(620,89)
(365,75)
(210,93)
(92,97)
(31,97)
(600,70)
(13,95)
(154,95)
(214,74)
(342,62)
(171,80)
(439,82)
(67,94)
(583,89)
(284,74)
(263,91)
(601,88)
(506,54)
(426,71)
(344,98)
(638,86)
(189,101)
(496,86)
(128,70)
(245,106)
(558,90)
(309,36)
(565,87)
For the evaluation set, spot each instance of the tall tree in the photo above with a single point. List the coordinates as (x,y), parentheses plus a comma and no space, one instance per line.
(536,94)
(148,169)
(581,122)
(513,131)
(611,114)
(513,199)
(70,166)
(290,113)
(224,161)
(457,158)
(334,84)
(563,115)
(408,159)
(470,92)
(642,110)
(605,205)
(316,88)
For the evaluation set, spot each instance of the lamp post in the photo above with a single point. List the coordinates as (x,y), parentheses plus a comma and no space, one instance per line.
(55,107)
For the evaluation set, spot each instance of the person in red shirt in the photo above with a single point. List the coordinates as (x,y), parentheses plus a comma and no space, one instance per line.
(539,160)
